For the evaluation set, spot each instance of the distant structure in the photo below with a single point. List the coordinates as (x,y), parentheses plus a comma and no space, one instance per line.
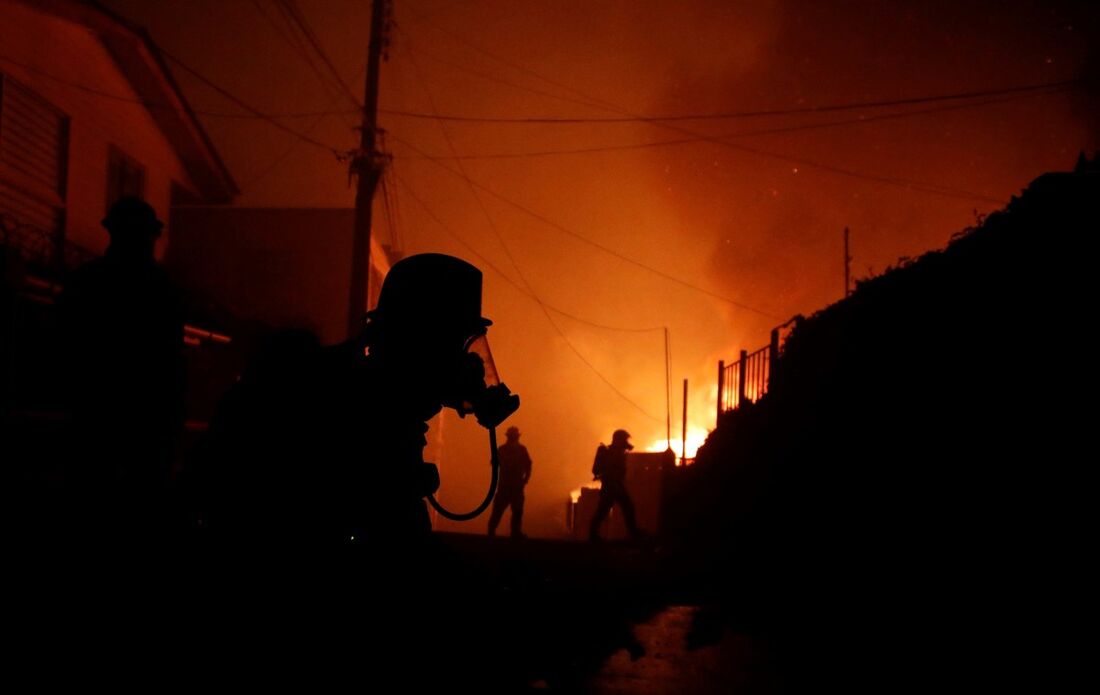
(647,476)
(285,267)
(89,113)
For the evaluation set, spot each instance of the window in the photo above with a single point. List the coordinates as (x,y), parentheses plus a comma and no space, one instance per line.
(125,176)
(34,139)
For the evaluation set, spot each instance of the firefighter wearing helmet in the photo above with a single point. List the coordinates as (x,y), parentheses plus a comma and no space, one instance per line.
(124,373)
(339,442)
(515,472)
(610,469)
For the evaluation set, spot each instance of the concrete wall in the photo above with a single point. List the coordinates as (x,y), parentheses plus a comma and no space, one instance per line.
(283,267)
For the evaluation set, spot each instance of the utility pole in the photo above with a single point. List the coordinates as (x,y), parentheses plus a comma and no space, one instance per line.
(684,428)
(668,390)
(367,165)
(847,266)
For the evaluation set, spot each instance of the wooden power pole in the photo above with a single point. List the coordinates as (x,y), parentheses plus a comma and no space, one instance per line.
(684,428)
(367,165)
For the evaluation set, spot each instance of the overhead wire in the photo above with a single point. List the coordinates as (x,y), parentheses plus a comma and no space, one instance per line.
(411,192)
(582,238)
(743,133)
(282,157)
(248,107)
(515,265)
(295,15)
(609,106)
(731,115)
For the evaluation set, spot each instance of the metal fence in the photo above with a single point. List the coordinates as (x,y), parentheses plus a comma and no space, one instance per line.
(43,252)
(746,380)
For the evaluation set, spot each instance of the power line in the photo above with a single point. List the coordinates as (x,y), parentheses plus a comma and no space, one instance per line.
(295,15)
(504,276)
(899,182)
(282,157)
(614,108)
(580,237)
(160,105)
(1055,89)
(389,205)
(499,80)
(420,16)
(848,106)
(740,133)
(285,33)
(248,107)
(515,264)
(527,292)
(294,40)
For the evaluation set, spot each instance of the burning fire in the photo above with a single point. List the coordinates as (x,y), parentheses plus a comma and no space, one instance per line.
(695,438)
(576,493)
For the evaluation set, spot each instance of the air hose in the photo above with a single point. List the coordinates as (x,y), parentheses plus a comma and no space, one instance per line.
(494,463)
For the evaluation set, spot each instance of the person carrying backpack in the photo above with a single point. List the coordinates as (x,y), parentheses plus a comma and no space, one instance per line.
(609,467)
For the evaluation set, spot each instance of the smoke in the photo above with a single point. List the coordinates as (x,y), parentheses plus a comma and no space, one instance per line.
(763,228)
(1087,99)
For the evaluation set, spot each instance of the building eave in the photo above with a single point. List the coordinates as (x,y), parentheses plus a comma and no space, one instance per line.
(142,64)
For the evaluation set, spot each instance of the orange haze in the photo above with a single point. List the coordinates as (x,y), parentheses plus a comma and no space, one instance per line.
(764,230)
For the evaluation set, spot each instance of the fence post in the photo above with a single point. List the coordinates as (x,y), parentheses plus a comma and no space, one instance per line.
(721,389)
(773,356)
(742,366)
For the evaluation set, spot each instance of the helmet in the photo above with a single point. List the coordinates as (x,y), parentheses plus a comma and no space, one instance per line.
(431,289)
(621,437)
(131,215)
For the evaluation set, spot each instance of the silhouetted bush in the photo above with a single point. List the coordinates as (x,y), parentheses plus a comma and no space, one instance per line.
(908,500)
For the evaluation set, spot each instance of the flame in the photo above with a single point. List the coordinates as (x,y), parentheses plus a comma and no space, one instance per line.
(695,437)
(575,494)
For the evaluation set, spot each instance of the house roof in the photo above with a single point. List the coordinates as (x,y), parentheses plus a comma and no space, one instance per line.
(144,67)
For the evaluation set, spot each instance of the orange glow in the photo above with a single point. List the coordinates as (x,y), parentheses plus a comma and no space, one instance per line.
(695,438)
(378,257)
(749,217)
(575,494)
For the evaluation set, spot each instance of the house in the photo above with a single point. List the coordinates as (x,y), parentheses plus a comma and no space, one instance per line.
(90,112)
(282,267)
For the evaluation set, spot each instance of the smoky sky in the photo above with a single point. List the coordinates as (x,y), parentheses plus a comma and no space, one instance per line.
(758,219)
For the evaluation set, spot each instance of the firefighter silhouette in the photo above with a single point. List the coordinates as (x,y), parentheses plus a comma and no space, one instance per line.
(124,332)
(326,443)
(313,478)
(609,468)
(515,472)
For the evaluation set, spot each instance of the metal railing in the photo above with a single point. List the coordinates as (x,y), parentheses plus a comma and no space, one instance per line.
(747,379)
(42,251)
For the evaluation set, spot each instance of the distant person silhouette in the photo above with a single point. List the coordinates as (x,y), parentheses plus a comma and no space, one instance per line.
(325,444)
(124,338)
(515,472)
(609,468)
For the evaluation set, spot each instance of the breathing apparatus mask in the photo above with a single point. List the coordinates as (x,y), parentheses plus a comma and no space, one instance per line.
(433,302)
(478,391)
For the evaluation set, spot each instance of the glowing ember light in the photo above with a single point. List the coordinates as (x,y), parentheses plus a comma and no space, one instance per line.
(695,438)
(576,493)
